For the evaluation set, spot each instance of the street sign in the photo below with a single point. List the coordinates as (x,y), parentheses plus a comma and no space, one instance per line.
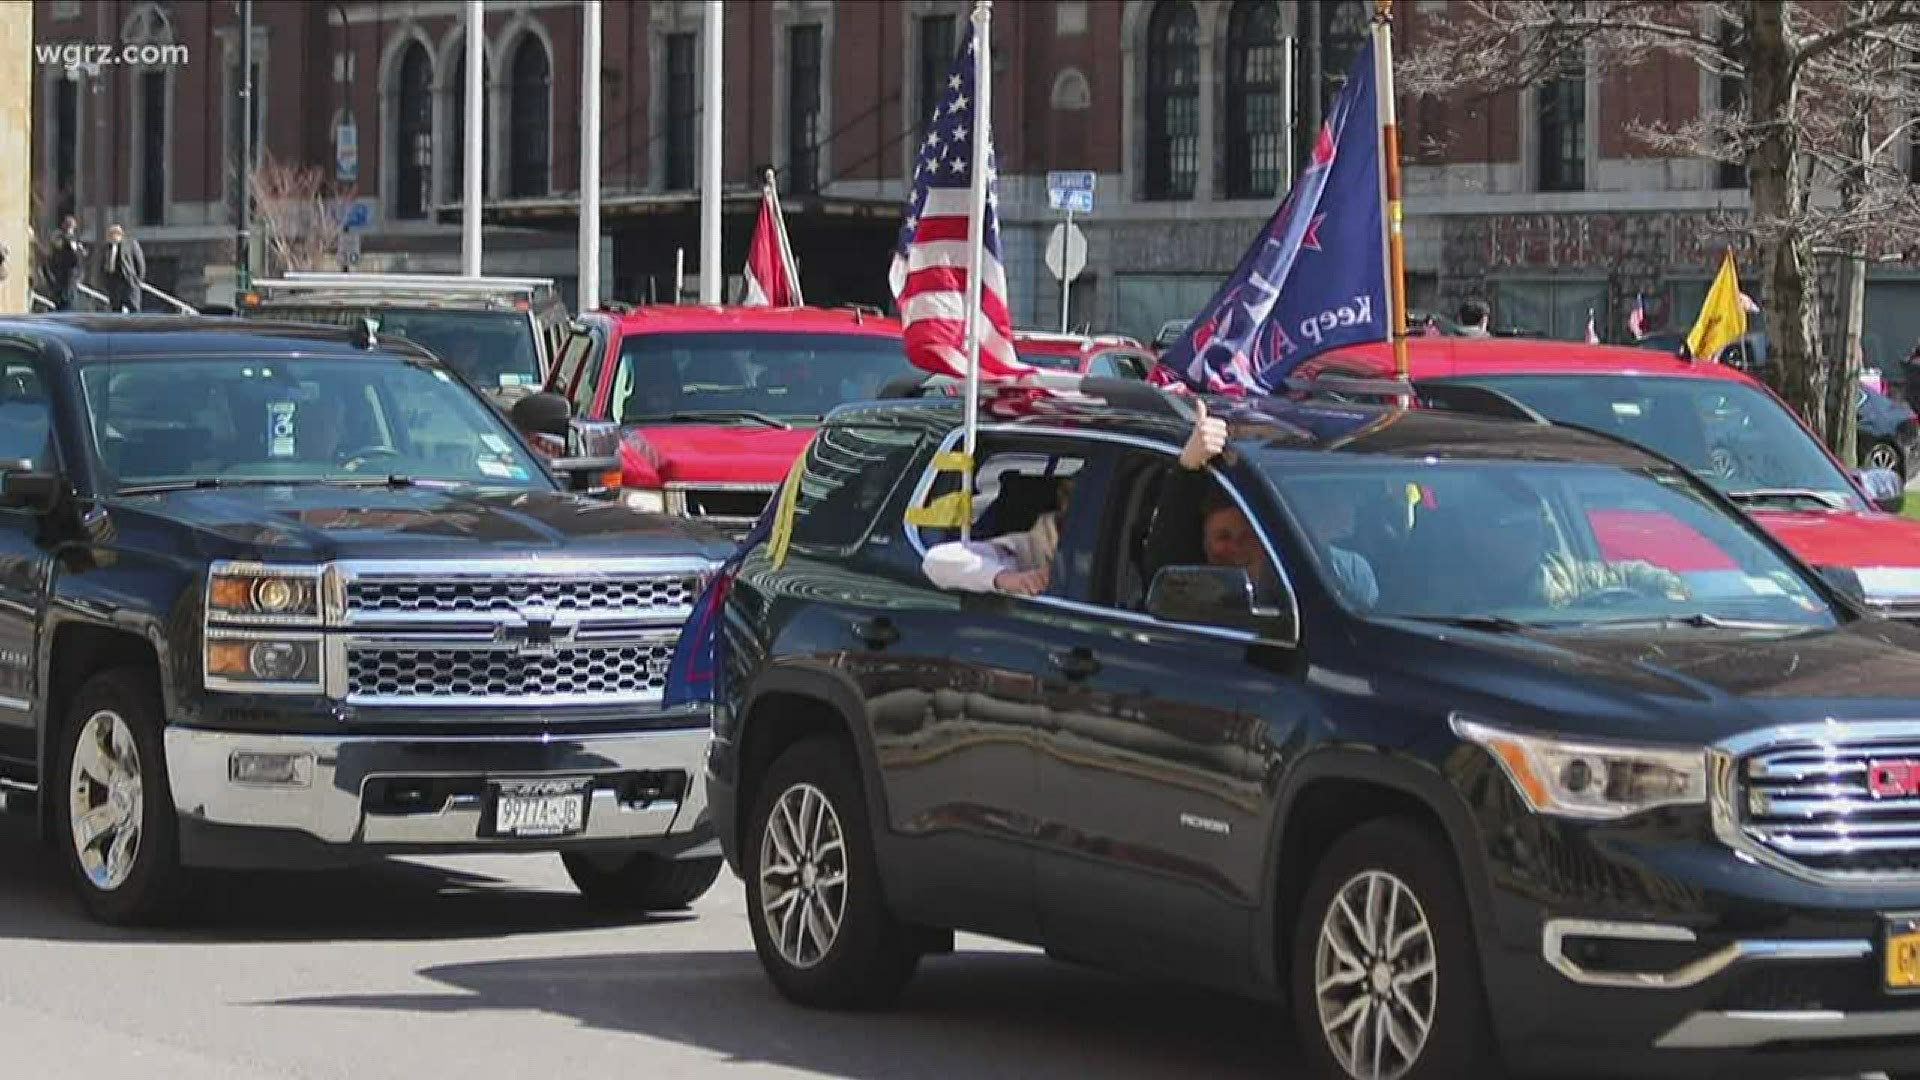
(1071,191)
(349,250)
(346,150)
(1066,251)
(359,215)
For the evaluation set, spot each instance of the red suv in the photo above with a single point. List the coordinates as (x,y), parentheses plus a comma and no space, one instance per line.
(1718,422)
(714,403)
(1105,356)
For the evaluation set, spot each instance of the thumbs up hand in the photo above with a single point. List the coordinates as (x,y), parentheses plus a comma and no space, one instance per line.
(1208,439)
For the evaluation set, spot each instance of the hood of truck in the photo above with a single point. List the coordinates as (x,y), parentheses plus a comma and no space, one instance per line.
(317,522)
(1884,549)
(712,453)
(1681,684)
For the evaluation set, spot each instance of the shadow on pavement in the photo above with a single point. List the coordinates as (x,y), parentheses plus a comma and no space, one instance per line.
(388,901)
(970,1014)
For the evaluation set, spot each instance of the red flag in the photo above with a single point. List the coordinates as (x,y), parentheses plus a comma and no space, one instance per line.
(773,280)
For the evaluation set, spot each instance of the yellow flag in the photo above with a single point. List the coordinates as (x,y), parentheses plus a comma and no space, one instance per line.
(787,498)
(1723,319)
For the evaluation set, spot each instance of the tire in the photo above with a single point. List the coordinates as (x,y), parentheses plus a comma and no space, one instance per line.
(113,771)
(1402,860)
(868,956)
(641,881)
(1881,454)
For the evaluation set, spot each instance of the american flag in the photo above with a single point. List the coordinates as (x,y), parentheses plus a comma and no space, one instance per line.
(933,257)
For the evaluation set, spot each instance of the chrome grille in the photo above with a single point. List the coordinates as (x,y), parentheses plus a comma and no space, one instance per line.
(371,596)
(630,672)
(1810,801)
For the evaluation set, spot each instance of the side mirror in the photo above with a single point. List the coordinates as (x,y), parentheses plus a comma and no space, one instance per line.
(23,486)
(590,464)
(1215,596)
(1845,579)
(1883,486)
(545,413)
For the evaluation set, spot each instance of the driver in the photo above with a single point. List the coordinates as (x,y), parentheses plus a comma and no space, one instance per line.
(319,429)
(1519,561)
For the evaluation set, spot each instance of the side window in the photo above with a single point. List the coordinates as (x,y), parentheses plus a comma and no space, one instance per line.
(573,375)
(849,474)
(1119,365)
(1015,483)
(1159,515)
(26,413)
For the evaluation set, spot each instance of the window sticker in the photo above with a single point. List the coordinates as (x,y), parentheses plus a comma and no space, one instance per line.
(280,429)
(495,443)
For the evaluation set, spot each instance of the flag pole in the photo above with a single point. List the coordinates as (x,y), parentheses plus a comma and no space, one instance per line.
(1394,240)
(976,235)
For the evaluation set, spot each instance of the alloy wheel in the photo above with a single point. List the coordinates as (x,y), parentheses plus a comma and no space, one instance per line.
(1376,977)
(1882,456)
(105,800)
(803,875)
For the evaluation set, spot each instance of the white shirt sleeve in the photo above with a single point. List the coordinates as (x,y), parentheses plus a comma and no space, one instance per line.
(971,566)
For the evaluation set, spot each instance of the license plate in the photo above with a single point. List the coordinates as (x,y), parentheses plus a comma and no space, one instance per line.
(539,808)
(1903,953)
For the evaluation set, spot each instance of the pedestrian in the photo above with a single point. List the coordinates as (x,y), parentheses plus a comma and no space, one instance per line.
(1475,317)
(1910,372)
(65,257)
(123,269)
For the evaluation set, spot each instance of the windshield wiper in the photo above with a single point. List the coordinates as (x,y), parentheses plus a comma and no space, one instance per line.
(1824,498)
(164,486)
(389,480)
(720,414)
(1498,624)
(1700,619)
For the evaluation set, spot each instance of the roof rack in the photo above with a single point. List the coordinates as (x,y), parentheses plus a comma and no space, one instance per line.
(1452,397)
(1120,393)
(315,279)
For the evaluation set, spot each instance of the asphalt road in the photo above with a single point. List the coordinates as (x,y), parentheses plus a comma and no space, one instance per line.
(491,966)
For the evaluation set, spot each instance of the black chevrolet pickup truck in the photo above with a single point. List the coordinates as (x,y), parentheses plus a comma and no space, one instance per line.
(277,596)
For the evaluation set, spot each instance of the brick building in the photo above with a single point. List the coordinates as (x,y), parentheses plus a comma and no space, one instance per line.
(1192,112)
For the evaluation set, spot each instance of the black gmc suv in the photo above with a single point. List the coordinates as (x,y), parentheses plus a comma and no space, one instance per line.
(274,596)
(1490,745)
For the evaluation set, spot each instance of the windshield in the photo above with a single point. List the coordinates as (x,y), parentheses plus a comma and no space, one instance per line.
(733,378)
(1553,544)
(494,350)
(1733,435)
(280,419)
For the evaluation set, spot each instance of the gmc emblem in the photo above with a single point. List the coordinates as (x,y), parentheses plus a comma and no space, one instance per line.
(1893,779)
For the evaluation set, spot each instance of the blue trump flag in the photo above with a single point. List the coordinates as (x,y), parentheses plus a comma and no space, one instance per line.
(696,673)
(1315,277)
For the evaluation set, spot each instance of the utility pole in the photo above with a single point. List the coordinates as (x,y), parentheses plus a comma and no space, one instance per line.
(97,98)
(243,240)
(714,107)
(589,286)
(476,137)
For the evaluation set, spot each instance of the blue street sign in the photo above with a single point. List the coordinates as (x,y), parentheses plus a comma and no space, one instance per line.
(1071,191)
(1079,202)
(1070,181)
(359,216)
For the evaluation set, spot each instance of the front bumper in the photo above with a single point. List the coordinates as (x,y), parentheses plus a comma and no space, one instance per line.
(370,796)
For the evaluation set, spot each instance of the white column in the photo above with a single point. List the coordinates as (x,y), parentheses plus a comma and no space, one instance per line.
(476,137)
(590,161)
(16,144)
(712,107)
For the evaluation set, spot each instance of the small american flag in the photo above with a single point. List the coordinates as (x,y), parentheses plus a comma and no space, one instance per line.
(933,257)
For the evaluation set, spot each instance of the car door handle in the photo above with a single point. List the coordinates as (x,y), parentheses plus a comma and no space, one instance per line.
(1078,663)
(878,632)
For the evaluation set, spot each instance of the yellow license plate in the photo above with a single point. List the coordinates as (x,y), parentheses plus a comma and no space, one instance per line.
(1903,954)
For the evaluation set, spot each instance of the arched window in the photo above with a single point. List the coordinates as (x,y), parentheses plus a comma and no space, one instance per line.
(1173,101)
(456,94)
(413,140)
(1256,119)
(531,111)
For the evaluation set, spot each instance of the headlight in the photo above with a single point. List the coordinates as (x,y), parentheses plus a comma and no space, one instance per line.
(1597,781)
(265,663)
(252,592)
(649,502)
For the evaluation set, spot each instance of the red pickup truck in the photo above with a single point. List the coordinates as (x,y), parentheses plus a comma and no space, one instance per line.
(714,403)
(1718,422)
